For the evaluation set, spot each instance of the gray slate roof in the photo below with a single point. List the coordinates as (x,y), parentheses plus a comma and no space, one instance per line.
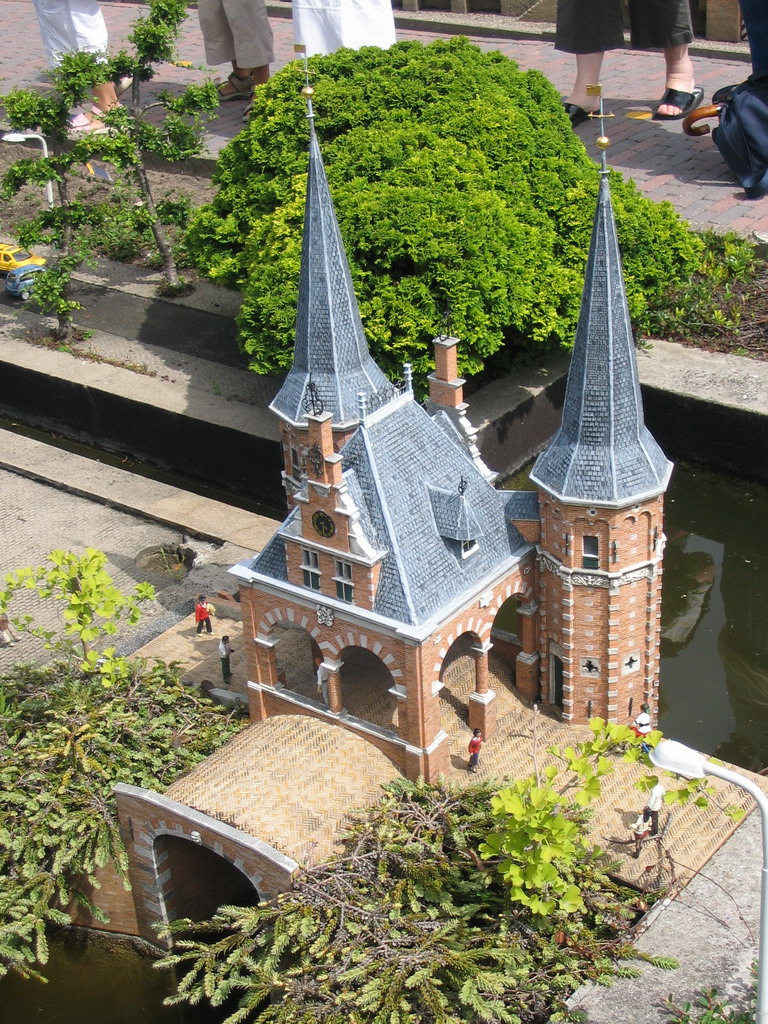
(603,452)
(409,473)
(403,473)
(523,505)
(331,347)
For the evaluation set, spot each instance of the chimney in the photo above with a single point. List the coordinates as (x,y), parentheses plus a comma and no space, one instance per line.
(445,387)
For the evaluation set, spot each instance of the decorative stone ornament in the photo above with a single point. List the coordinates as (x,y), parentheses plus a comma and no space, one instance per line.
(324,615)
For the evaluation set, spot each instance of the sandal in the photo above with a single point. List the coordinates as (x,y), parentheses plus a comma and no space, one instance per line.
(686,101)
(241,88)
(81,124)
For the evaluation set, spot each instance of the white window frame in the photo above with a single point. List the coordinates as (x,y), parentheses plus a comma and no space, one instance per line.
(345,587)
(590,559)
(310,566)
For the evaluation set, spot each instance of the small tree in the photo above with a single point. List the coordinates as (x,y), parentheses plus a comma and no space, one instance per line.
(66,741)
(134,133)
(91,606)
(457,180)
(405,926)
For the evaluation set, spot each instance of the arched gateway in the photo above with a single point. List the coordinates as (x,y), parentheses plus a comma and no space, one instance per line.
(183,863)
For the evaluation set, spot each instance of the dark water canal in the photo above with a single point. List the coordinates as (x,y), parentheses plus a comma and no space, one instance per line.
(714,696)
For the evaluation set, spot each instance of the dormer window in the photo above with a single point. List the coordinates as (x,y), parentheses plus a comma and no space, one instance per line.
(345,588)
(468,547)
(455,520)
(310,567)
(590,553)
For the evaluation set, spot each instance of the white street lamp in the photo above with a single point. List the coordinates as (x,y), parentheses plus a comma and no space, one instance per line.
(24,137)
(676,757)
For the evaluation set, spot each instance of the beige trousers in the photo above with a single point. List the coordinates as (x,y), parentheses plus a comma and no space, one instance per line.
(236,30)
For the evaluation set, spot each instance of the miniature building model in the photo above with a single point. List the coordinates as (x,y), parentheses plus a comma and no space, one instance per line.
(398,550)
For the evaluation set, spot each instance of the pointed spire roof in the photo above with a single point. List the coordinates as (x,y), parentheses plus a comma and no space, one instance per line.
(331,358)
(603,453)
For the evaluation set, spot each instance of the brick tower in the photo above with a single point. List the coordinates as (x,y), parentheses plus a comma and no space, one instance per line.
(331,364)
(601,484)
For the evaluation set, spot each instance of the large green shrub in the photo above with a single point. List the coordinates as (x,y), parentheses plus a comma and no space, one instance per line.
(457,180)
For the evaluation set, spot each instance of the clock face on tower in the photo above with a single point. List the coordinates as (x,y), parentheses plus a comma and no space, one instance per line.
(323,523)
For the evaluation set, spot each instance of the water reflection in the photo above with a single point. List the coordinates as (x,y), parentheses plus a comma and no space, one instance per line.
(714,682)
(714,647)
(91,983)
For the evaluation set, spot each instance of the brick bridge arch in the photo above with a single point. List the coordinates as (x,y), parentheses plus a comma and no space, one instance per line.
(147,817)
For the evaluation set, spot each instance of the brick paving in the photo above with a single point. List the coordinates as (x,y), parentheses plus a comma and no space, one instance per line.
(292,780)
(665,164)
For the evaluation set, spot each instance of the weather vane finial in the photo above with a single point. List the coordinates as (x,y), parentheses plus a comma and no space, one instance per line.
(447,320)
(307,92)
(602,142)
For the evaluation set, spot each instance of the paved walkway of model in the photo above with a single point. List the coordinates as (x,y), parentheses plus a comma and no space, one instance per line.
(665,164)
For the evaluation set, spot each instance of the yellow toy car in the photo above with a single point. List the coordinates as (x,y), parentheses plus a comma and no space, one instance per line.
(12,256)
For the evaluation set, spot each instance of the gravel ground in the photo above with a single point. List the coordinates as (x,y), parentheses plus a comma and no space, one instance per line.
(29,200)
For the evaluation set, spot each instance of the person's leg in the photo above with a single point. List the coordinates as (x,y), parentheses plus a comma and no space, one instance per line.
(679,78)
(105,97)
(755,14)
(666,25)
(208,627)
(587,28)
(199,627)
(252,36)
(588,67)
(237,31)
(89,26)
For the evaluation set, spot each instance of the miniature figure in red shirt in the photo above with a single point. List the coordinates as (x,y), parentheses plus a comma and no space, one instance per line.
(203,615)
(474,750)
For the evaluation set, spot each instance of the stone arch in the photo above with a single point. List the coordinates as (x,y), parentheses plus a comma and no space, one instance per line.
(507,639)
(457,673)
(332,648)
(200,880)
(296,653)
(368,688)
(146,818)
(301,617)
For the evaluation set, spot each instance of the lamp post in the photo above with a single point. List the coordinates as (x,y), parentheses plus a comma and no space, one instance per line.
(25,137)
(676,757)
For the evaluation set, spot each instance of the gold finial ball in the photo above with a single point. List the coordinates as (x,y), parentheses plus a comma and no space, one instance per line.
(307,92)
(603,142)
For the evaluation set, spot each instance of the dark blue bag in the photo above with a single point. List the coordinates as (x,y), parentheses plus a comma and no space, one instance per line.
(742,134)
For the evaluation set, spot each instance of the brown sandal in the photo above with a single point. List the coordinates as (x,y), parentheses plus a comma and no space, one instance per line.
(241,88)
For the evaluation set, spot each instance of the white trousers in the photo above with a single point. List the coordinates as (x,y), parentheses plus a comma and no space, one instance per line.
(323,26)
(69,26)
